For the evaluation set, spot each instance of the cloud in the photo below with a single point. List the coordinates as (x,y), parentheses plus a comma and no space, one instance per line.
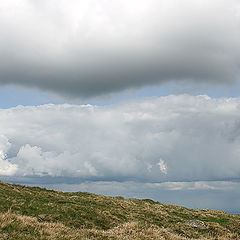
(6,168)
(174,138)
(162,166)
(90,48)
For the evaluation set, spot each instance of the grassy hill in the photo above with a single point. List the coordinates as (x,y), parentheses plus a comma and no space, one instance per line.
(36,213)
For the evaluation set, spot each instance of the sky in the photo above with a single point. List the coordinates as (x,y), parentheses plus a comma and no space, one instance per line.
(135,98)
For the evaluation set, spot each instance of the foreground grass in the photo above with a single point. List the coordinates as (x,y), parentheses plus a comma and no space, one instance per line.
(35,213)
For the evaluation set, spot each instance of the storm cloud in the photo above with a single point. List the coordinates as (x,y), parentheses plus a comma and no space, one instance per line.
(174,138)
(91,48)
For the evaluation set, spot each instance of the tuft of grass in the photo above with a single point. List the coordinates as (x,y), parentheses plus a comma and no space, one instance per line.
(36,213)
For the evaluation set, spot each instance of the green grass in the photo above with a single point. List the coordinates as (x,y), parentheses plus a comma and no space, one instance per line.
(91,216)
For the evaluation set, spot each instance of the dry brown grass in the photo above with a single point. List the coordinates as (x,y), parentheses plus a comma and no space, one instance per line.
(24,227)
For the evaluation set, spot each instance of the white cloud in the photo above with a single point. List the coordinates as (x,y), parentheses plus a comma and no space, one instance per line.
(197,138)
(162,166)
(195,185)
(6,168)
(89,48)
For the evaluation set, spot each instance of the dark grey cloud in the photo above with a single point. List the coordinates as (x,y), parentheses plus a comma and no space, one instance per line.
(86,49)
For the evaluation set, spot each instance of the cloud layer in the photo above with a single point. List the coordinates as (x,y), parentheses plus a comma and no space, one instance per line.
(174,138)
(89,48)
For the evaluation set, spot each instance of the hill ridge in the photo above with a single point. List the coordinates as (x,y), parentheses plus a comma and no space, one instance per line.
(38,213)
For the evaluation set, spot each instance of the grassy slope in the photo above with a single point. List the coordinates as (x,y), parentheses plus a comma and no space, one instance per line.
(35,213)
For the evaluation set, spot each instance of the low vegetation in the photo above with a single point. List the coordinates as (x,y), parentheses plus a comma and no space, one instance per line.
(36,213)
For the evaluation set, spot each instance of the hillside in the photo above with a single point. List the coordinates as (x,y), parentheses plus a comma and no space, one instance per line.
(36,213)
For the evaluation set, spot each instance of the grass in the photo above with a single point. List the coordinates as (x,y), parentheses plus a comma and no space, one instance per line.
(36,213)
